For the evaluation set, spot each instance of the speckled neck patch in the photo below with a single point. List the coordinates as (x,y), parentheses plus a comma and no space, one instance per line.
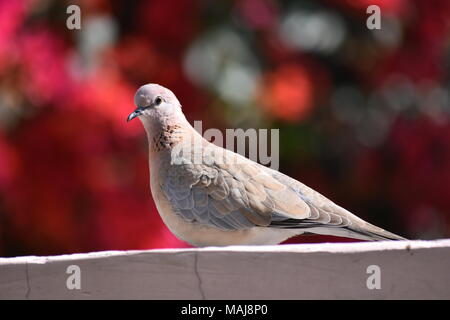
(167,138)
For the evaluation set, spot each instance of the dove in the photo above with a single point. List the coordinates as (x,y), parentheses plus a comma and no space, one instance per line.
(211,196)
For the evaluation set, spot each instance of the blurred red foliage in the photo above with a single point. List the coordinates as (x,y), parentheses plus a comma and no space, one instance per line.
(287,93)
(74,176)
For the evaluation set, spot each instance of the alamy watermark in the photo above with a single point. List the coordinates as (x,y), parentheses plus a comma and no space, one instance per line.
(374,280)
(74,279)
(73,21)
(254,143)
(374,20)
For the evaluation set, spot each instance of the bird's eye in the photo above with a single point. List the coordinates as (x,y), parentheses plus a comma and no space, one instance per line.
(158,100)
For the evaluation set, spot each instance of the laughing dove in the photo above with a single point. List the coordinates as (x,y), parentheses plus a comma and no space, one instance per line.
(210,196)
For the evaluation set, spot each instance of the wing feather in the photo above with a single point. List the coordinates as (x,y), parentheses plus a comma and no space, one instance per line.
(243,195)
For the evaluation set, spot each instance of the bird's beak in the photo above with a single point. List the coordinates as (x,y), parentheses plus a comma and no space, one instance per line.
(135,113)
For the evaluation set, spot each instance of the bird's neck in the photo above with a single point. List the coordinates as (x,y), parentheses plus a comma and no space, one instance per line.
(166,134)
(166,137)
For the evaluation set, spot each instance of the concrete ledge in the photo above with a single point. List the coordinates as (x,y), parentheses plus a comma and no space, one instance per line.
(407,270)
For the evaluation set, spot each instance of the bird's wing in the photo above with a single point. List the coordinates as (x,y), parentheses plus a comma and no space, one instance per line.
(324,212)
(231,192)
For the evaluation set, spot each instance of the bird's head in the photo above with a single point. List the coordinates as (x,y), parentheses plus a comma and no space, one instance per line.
(155,104)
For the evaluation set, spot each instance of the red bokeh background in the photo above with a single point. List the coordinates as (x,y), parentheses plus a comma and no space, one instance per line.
(363,114)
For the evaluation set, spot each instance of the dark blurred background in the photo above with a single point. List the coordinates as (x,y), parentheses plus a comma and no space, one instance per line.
(363,114)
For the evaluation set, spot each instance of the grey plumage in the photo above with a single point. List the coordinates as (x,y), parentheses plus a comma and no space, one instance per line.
(247,195)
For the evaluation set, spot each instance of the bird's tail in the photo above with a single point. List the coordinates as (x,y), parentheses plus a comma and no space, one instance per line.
(370,232)
(360,229)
